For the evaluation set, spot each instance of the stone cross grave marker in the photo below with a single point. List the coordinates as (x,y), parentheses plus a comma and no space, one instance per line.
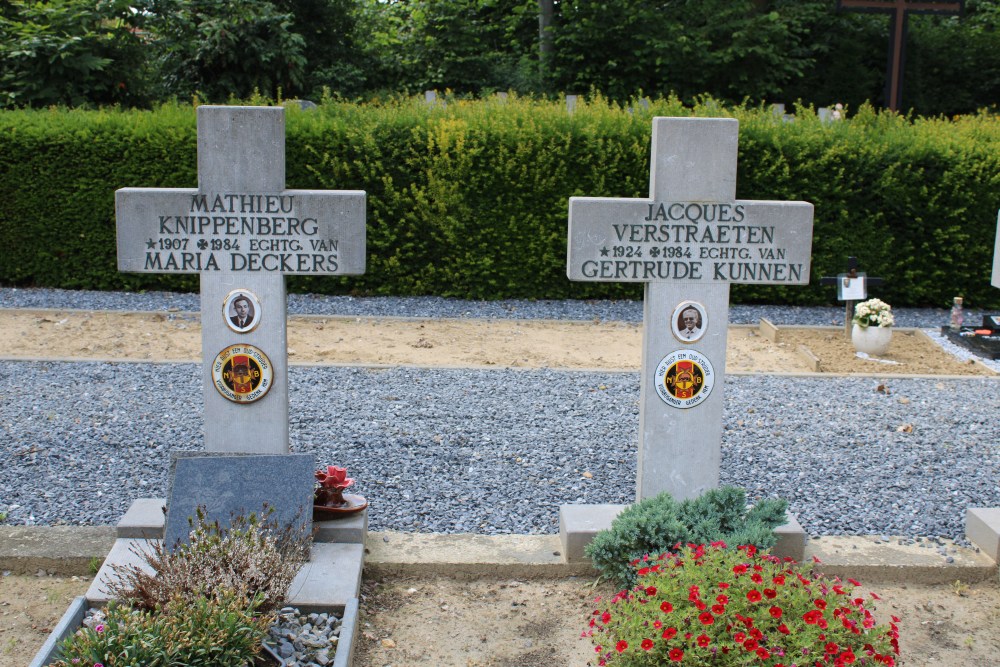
(687,242)
(242,231)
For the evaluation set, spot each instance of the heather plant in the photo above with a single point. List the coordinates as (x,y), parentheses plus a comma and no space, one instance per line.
(253,557)
(223,630)
(717,606)
(656,524)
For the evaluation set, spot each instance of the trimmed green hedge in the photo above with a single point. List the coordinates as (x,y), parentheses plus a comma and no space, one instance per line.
(470,200)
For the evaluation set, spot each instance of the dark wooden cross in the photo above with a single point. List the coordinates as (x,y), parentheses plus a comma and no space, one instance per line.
(900,11)
(852,273)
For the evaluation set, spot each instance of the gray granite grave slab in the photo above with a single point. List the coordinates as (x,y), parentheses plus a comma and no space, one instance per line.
(982,527)
(227,485)
(126,553)
(144,519)
(330,579)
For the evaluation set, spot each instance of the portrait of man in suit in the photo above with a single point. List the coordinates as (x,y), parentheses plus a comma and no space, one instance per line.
(689,321)
(242,311)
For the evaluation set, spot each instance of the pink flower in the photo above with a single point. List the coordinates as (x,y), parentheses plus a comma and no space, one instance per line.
(334,477)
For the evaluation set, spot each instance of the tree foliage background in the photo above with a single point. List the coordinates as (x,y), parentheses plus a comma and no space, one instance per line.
(141,52)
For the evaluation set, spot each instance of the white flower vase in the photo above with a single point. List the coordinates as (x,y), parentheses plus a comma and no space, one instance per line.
(871,340)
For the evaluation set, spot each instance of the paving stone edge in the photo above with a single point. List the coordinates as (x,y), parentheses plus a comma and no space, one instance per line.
(74,550)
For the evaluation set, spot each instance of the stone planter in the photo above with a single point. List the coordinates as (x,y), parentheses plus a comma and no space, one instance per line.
(73,619)
(871,340)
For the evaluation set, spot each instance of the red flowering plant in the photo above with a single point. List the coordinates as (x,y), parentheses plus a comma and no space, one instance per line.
(331,484)
(717,606)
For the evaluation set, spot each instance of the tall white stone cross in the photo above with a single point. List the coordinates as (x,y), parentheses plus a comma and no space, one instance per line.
(242,231)
(687,242)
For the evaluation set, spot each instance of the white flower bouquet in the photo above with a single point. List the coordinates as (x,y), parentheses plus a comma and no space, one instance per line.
(873,313)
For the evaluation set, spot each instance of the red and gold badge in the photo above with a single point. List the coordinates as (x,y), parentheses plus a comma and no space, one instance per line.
(684,378)
(242,373)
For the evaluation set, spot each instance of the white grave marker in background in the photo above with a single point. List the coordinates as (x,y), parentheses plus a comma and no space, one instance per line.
(687,242)
(242,231)
(996,256)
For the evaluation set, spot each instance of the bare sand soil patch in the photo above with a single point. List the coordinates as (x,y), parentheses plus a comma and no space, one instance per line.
(454,342)
(29,608)
(537,623)
(412,621)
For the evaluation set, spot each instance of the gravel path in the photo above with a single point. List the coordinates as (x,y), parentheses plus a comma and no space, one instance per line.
(497,451)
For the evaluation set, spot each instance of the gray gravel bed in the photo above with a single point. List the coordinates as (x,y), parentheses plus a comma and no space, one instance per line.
(314,304)
(497,451)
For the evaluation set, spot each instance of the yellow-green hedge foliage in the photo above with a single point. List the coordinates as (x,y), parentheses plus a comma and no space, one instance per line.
(469,199)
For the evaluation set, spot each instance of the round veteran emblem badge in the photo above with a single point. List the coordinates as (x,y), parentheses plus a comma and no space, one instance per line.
(242,373)
(684,378)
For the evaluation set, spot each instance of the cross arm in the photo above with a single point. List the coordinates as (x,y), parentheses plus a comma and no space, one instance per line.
(645,240)
(176,230)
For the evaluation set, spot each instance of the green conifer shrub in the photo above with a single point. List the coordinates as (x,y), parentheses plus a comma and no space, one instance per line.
(656,525)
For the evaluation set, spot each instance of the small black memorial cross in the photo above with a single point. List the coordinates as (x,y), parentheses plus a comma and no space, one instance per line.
(899,11)
(850,275)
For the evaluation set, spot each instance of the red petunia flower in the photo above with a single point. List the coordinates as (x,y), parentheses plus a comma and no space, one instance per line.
(651,590)
(704,640)
(621,646)
(706,618)
(783,629)
(676,655)
(832,647)
(605,617)
(669,633)
(763,653)
(770,593)
(775,612)
(646,644)
(753,595)
(666,607)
